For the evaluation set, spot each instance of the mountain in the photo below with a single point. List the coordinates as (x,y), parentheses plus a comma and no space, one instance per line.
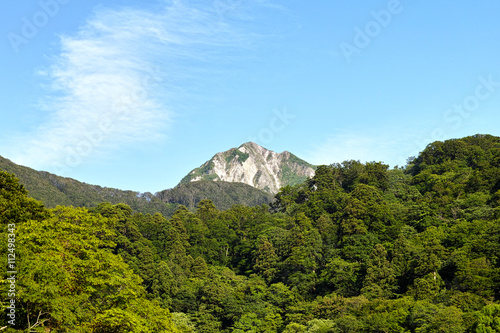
(54,190)
(222,194)
(247,175)
(253,165)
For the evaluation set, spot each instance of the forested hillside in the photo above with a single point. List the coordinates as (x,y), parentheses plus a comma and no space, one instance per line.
(222,194)
(356,248)
(54,190)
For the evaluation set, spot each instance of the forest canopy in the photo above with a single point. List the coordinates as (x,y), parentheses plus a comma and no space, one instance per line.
(358,247)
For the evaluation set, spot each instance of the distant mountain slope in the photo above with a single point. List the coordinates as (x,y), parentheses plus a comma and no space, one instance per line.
(253,165)
(222,194)
(37,183)
(247,175)
(54,190)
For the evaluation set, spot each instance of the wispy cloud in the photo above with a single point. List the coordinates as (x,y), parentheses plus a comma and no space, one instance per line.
(111,84)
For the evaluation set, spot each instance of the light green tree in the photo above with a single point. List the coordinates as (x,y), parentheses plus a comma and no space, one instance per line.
(69,278)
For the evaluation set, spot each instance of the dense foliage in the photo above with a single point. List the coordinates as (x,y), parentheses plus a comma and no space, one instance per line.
(66,276)
(356,248)
(223,194)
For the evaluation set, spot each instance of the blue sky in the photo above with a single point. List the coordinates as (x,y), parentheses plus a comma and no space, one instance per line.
(135,94)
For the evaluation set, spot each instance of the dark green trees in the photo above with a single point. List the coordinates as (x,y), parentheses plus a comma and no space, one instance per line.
(357,248)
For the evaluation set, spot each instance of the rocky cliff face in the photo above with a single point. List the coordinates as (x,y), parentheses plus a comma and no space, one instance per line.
(254,165)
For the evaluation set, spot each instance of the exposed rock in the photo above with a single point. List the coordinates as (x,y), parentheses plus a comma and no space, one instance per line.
(254,165)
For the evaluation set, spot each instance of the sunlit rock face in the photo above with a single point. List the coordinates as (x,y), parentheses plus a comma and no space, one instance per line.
(254,165)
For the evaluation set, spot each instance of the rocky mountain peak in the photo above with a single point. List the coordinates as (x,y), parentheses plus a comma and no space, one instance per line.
(254,165)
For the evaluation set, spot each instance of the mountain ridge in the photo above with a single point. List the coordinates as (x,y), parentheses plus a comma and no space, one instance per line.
(54,190)
(222,194)
(253,165)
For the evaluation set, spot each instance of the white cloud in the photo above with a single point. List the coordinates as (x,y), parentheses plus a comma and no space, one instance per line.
(111,83)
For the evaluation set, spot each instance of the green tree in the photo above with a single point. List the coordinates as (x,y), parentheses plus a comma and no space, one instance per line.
(295,328)
(68,278)
(183,322)
(321,326)
(266,259)
(200,268)
(380,279)
(342,276)
(367,211)
(15,206)
(428,317)
(487,320)
(251,323)
(305,254)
